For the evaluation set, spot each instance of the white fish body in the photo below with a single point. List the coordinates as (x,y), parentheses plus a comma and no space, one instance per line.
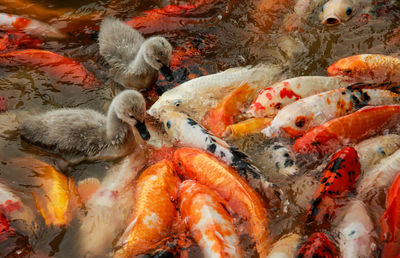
(356,232)
(110,207)
(303,115)
(380,175)
(273,98)
(285,247)
(30,26)
(196,96)
(372,150)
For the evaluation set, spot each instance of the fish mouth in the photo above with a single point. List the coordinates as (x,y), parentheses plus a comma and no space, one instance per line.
(142,129)
(166,72)
(332,20)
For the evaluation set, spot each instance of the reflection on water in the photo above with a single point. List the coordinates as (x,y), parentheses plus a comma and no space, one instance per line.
(239,38)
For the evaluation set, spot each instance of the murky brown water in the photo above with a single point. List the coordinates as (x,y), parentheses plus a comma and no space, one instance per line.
(237,40)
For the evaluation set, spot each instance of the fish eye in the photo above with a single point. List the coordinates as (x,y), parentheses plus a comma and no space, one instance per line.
(349,11)
(300,121)
(347,71)
(323,8)
(278,105)
(169,124)
(177,103)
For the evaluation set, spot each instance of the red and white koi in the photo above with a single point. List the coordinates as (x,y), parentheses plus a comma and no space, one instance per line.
(367,68)
(116,193)
(274,98)
(356,231)
(33,27)
(318,245)
(285,247)
(211,225)
(305,114)
(371,151)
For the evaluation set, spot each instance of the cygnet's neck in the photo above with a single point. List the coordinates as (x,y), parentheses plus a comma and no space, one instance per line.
(116,129)
(139,64)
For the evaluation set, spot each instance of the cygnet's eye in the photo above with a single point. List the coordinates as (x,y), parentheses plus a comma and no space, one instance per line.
(349,11)
(158,60)
(132,116)
(323,8)
(177,103)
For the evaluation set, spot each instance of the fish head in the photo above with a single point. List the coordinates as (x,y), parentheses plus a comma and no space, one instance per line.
(172,100)
(172,122)
(184,156)
(336,12)
(353,67)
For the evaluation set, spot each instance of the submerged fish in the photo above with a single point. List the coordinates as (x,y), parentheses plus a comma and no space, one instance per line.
(367,68)
(196,96)
(338,179)
(14,209)
(318,245)
(57,196)
(247,127)
(62,69)
(155,211)
(9,22)
(240,197)
(12,40)
(372,150)
(301,12)
(218,118)
(34,8)
(356,232)
(380,175)
(211,225)
(282,156)
(109,208)
(285,247)
(335,12)
(186,132)
(275,97)
(390,221)
(351,128)
(305,114)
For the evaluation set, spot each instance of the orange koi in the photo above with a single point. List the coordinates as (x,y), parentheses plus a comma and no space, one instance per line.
(62,69)
(155,211)
(218,118)
(12,40)
(338,179)
(390,221)
(351,128)
(209,222)
(369,68)
(10,22)
(240,197)
(318,245)
(249,126)
(57,196)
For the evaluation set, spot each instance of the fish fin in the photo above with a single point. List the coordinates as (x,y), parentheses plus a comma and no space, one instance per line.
(87,187)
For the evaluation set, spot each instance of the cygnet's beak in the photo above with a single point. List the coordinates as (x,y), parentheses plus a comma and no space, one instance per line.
(331,20)
(167,72)
(142,129)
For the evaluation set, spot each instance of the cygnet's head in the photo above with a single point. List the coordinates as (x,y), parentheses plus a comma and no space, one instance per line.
(158,53)
(130,107)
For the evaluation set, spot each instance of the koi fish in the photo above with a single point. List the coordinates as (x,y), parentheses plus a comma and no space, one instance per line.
(196,96)
(367,68)
(301,12)
(62,69)
(188,133)
(338,179)
(380,175)
(211,225)
(272,99)
(335,12)
(9,22)
(246,127)
(286,247)
(57,196)
(318,245)
(155,212)
(13,208)
(115,193)
(268,13)
(305,114)
(390,222)
(240,197)
(351,128)
(218,118)
(12,40)
(372,150)
(356,231)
